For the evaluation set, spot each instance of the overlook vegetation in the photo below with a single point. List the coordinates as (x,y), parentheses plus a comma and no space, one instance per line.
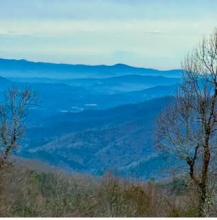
(30,192)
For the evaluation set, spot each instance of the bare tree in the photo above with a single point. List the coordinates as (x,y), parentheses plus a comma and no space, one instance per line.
(12,115)
(188,127)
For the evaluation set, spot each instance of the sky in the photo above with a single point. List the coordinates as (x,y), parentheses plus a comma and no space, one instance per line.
(148,33)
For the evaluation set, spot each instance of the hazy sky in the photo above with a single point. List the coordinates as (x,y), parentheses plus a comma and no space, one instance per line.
(149,33)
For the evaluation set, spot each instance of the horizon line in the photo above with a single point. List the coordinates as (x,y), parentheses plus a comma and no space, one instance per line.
(90,65)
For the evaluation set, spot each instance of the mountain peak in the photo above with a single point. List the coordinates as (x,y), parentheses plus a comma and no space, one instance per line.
(121,65)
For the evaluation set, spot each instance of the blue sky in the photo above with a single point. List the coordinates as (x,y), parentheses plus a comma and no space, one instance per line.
(147,33)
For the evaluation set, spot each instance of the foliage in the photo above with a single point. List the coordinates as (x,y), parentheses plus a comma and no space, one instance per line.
(32,193)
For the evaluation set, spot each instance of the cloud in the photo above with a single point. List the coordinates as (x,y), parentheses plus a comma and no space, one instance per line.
(139,32)
(106,9)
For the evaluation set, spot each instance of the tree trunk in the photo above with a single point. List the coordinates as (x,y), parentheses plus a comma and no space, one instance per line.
(204,182)
(202,201)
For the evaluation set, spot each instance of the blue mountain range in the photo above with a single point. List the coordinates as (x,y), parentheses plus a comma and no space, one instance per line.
(94,119)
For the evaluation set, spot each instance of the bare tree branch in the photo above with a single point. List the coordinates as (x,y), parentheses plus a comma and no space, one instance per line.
(12,115)
(188,128)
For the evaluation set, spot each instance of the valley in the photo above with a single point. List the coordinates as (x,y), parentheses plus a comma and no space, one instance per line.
(102,122)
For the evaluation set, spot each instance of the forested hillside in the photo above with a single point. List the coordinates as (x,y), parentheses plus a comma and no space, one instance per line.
(31,192)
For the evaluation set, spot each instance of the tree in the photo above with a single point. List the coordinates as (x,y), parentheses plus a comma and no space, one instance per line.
(188,127)
(12,116)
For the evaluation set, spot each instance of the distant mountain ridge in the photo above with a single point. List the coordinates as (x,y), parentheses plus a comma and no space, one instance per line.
(25,68)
